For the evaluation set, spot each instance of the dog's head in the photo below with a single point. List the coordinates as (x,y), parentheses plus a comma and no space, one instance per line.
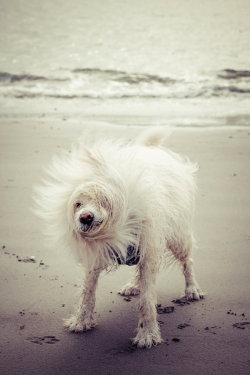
(96,207)
(90,209)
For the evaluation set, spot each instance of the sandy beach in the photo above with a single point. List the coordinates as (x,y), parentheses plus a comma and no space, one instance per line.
(39,286)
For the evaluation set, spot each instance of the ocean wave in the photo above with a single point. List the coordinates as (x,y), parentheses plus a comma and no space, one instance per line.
(11,78)
(234,74)
(95,83)
(232,89)
(122,76)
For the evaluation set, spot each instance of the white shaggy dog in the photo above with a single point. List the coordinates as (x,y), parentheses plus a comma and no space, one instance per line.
(123,203)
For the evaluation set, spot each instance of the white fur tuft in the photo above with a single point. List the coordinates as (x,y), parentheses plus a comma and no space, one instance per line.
(154,136)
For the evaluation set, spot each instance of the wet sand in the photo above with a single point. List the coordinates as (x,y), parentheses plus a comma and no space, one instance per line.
(207,337)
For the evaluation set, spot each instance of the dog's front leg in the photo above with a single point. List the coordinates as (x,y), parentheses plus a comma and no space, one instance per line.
(83,319)
(148,332)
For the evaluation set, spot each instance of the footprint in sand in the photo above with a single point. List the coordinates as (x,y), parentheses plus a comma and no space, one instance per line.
(43,340)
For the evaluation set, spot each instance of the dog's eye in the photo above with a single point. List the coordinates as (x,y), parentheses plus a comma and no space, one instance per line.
(78,204)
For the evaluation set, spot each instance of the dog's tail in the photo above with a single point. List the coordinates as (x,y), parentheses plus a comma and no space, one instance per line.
(154,136)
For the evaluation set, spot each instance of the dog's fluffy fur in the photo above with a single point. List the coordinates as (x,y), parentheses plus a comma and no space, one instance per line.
(106,197)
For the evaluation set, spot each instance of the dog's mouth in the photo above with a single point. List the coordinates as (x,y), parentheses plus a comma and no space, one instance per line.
(86,228)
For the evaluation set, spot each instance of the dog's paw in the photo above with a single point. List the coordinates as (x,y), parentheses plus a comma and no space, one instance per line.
(147,338)
(193,293)
(78,324)
(129,290)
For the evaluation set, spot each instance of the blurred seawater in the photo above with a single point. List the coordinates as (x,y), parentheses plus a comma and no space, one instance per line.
(115,52)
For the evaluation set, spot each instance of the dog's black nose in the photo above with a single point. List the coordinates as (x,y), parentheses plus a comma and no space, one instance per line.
(86,218)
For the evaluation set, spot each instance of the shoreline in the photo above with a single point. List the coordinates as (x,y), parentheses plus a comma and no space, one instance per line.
(237,122)
(196,112)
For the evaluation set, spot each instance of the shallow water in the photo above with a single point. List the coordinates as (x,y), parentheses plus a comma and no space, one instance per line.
(143,51)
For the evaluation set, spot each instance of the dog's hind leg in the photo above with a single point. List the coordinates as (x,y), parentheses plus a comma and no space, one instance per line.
(83,319)
(148,332)
(192,289)
(132,288)
(182,251)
